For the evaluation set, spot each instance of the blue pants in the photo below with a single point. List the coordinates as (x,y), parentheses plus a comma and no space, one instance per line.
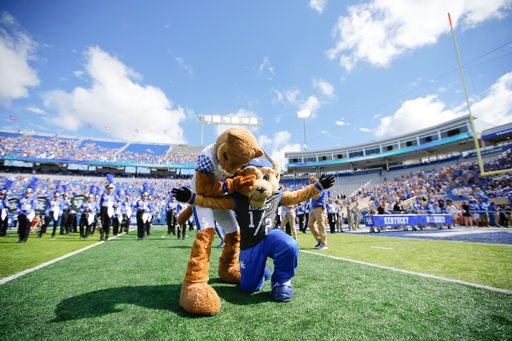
(279,246)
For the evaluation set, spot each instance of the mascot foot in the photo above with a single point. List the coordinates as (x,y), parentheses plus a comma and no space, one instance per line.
(199,299)
(229,270)
(230,274)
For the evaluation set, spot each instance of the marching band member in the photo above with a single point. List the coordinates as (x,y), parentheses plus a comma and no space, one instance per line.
(4,206)
(27,210)
(107,201)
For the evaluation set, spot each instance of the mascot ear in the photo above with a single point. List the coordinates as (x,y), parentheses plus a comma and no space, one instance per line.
(276,169)
(249,145)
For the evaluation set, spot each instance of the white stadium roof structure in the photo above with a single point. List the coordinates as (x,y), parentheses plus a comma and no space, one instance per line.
(441,141)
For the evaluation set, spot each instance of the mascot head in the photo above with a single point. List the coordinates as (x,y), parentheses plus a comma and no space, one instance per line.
(266,180)
(234,148)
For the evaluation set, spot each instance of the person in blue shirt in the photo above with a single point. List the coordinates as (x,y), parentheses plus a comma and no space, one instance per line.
(484,216)
(307,211)
(332,211)
(27,210)
(475,212)
(429,207)
(300,213)
(493,214)
(318,215)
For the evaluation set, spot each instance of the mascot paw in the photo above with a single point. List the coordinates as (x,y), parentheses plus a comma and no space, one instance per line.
(199,299)
(230,274)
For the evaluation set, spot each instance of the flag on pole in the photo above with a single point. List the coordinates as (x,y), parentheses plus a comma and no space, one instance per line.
(137,131)
(91,126)
(14,118)
(151,131)
(107,128)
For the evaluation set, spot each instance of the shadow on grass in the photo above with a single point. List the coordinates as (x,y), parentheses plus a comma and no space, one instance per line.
(103,302)
(157,297)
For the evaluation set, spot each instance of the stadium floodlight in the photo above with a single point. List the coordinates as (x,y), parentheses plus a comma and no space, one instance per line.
(229,120)
(303,114)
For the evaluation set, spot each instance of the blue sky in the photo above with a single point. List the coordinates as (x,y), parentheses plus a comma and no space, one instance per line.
(366,69)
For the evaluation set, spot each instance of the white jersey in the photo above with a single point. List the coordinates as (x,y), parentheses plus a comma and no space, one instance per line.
(207,163)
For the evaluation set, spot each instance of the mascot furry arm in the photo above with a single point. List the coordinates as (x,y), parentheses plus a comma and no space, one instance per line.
(228,203)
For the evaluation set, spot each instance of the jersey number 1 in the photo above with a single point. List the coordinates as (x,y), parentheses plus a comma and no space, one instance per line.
(268,223)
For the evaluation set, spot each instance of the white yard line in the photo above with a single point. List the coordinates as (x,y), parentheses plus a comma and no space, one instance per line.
(380,247)
(19,274)
(413,273)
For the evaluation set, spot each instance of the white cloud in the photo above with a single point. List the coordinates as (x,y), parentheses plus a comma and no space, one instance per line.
(78,74)
(366,130)
(416,114)
(292,97)
(324,87)
(266,65)
(36,110)
(496,108)
(312,103)
(264,141)
(318,5)
(423,112)
(341,123)
(381,30)
(16,49)
(185,66)
(279,98)
(116,101)
(280,144)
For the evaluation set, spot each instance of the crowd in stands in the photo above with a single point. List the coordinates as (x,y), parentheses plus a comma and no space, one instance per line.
(431,191)
(29,146)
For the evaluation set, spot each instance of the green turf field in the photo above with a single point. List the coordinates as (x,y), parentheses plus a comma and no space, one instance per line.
(129,290)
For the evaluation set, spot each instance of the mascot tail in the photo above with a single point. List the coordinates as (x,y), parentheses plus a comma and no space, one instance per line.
(184,216)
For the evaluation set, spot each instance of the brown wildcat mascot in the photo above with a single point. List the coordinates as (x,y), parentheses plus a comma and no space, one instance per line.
(215,164)
(256,211)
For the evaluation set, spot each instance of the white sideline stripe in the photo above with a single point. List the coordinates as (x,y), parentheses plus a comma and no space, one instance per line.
(24,272)
(414,273)
(380,247)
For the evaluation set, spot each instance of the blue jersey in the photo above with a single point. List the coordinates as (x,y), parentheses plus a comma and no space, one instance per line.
(320,201)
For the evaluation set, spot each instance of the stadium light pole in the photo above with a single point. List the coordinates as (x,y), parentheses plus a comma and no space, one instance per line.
(303,114)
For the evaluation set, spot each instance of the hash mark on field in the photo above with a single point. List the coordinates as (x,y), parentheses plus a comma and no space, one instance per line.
(380,247)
